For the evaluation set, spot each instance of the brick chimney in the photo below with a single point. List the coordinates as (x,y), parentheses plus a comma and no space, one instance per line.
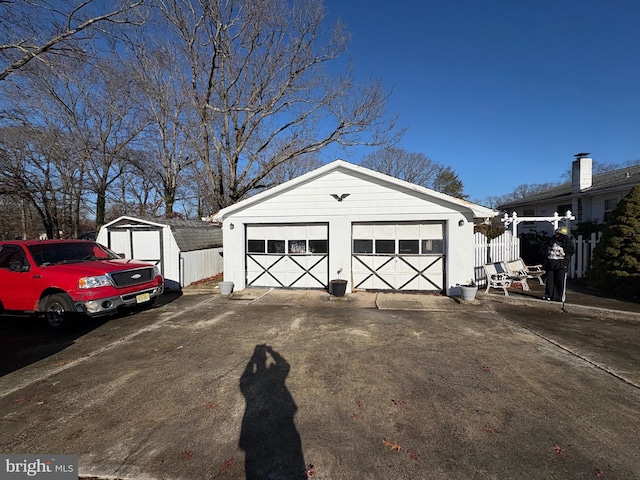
(581,173)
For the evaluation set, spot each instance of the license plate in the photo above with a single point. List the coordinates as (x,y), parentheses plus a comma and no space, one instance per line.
(143,297)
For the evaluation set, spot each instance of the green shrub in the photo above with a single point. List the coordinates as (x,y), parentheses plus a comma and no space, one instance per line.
(616,258)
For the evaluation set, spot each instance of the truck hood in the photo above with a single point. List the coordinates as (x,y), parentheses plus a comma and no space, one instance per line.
(99,267)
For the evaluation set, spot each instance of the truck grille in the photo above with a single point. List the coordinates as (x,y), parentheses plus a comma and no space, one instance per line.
(132,277)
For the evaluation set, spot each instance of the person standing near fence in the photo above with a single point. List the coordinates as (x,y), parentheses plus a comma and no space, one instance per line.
(560,248)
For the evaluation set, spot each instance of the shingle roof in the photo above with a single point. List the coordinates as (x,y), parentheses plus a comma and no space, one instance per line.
(193,234)
(614,180)
(190,235)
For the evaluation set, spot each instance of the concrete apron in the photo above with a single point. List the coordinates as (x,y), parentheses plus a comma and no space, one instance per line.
(188,391)
(359,300)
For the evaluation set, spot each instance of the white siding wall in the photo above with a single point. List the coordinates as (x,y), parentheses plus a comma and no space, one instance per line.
(368,201)
(200,264)
(171,258)
(598,204)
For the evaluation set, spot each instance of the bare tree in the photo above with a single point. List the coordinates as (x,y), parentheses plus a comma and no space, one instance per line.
(162,94)
(260,92)
(95,108)
(293,168)
(39,29)
(415,168)
(135,190)
(399,163)
(523,191)
(71,94)
(29,173)
(19,220)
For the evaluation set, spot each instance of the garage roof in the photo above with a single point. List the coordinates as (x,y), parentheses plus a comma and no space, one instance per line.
(478,210)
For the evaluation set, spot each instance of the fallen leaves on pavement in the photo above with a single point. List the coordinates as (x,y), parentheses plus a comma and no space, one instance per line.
(392,445)
(559,451)
(227,464)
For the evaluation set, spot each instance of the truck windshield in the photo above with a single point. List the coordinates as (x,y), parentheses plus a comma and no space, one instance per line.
(69,252)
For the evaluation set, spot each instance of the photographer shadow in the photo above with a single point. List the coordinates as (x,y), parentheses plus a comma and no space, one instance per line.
(269,437)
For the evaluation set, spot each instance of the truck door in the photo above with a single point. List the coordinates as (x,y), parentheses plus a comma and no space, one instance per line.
(16,279)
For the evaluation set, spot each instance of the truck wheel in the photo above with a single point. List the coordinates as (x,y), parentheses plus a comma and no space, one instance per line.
(57,310)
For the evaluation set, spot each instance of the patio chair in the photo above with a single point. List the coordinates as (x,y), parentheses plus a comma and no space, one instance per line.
(516,273)
(531,271)
(496,279)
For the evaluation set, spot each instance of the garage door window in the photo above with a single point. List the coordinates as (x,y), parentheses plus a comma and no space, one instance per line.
(292,246)
(385,246)
(275,246)
(363,246)
(432,247)
(255,246)
(297,246)
(404,247)
(409,247)
(318,246)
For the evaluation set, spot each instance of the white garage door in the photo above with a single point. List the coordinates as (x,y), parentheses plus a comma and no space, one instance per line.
(291,255)
(398,256)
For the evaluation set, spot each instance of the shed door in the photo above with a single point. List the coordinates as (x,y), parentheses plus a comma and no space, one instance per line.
(139,243)
(398,256)
(290,256)
(119,241)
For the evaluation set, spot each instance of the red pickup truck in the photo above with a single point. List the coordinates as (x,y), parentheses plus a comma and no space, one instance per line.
(68,277)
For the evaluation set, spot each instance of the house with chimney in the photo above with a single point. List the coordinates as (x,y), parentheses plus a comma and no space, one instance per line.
(589,197)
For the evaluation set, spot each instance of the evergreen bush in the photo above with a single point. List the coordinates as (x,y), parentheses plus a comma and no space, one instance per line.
(616,258)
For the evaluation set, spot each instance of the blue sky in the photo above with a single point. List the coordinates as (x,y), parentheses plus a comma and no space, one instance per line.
(504,91)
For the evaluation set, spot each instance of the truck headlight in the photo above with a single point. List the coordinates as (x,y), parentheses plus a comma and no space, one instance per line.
(94,282)
(156,271)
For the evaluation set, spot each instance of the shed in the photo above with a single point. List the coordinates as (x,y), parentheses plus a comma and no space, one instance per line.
(185,250)
(380,232)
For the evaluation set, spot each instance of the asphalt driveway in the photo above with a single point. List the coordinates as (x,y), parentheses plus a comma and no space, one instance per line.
(287,385)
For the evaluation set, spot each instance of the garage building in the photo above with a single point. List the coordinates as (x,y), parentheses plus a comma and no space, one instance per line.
(381,233)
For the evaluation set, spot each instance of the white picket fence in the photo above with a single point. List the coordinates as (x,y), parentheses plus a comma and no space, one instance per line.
(507,247)
(581,261)
(500,249)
